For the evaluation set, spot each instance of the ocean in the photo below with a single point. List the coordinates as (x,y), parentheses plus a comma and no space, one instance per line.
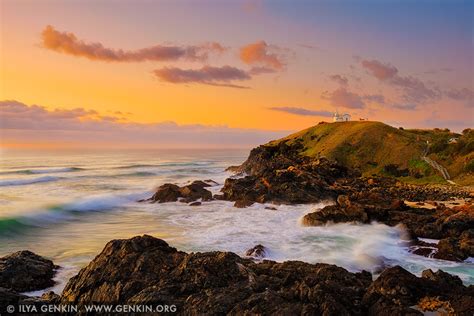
(67,205)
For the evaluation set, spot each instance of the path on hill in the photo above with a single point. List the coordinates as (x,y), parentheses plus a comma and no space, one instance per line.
(444,172)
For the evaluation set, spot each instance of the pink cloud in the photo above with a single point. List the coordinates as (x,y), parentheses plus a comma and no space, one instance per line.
(34,124)
(261,53)
(341,97)
(221,76)
(339,79)
(379,70)
(68,43)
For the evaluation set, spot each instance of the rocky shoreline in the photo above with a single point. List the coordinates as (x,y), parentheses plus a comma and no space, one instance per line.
(278,174)
(146,270)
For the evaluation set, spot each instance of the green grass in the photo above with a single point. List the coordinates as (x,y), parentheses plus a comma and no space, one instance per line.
(369,146)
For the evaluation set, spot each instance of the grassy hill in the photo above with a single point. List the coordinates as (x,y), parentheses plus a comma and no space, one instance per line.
(377,148)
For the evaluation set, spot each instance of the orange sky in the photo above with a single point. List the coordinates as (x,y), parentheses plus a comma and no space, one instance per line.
(286,59)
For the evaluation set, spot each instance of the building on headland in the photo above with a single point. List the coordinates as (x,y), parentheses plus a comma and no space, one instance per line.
(341,117)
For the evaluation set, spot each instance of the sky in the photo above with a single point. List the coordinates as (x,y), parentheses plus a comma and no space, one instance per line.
(227,73)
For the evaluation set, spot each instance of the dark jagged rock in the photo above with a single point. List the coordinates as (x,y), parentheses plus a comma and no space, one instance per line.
(169,192)
(195,191)
(456,248)
(342,212)
(257,252)
(9,297)
(277,173)
(145,270)
(396,290)
(25,271)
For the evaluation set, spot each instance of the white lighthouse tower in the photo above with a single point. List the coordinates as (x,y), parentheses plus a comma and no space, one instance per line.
(341,117)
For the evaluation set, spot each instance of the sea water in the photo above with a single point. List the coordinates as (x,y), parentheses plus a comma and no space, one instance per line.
(67,205)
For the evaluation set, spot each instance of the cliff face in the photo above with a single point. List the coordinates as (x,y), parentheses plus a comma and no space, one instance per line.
(373,148)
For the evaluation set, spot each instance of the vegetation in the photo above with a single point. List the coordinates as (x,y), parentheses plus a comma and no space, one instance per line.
(379,149)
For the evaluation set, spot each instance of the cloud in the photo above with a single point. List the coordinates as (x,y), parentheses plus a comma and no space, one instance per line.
(406,107)
(261,53)
(14,114)
(379,70)
(343,98)
(261,70)
(341,80)
(301,111)
(68,43)
(219,76)
(460,94)
(34,124)
(414,89)
(378,98)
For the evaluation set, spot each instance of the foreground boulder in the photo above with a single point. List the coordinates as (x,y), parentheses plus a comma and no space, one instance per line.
(169,192)
(25,271)
(398,292)
(146,270)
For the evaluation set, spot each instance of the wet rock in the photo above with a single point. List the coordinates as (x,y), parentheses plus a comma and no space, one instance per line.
(278,174)
(195,203)
(169,192)
(243,203)
(195,191)
(211,182)
(146,270)
(396,290)
(272,208)
(25,271)
(257,252)
(452,225)
(9,297)
(336,214)
(50,297)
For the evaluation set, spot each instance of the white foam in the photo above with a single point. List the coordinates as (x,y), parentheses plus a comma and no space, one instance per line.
(429,240)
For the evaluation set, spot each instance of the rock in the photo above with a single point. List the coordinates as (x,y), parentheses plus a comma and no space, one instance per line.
(396,290)
(195,203)
(145,270)
(243,203)
(257,252)
(343,201)
(466,243)
(448,249)
(444,279)
(211,182)
(270,208)
(25,271)
(278,174)
(336,214)
(9,297)
(169,192)
(50,297)
(453,226)
(195,191)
